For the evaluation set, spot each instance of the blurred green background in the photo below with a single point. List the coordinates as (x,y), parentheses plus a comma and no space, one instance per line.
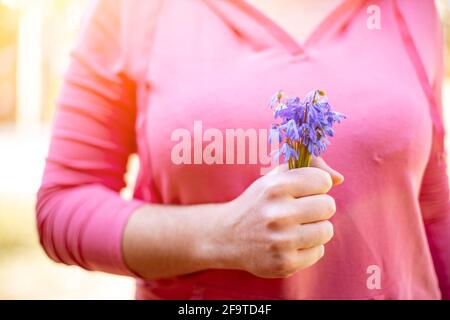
(35,39)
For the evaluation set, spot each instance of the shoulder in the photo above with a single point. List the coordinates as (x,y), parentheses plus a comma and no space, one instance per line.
(115,31)
(122,13)
(136,10)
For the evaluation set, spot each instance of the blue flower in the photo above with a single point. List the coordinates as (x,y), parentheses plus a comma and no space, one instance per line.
(304,125)
(275,99)
(288,152)
(290,129)
(274,133)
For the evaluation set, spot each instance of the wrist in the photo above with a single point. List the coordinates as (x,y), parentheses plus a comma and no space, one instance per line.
(214,246)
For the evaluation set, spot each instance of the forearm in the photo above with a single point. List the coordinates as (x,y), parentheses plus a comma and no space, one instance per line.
(164,241)
(261,231)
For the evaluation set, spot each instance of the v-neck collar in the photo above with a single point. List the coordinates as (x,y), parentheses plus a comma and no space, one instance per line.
(333,21)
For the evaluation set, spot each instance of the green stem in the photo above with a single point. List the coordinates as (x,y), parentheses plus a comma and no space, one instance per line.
(304,157)
(291,161)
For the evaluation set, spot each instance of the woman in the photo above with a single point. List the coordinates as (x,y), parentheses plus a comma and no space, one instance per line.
(144,69)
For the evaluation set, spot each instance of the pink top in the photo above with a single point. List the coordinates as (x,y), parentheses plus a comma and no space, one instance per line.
(145,68)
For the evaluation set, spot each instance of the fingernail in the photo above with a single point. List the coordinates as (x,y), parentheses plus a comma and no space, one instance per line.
(339,178)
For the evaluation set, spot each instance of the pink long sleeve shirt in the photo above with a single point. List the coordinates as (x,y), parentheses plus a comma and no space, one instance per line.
(143,69)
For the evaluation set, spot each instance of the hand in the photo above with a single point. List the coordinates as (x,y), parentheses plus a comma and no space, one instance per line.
(279,225)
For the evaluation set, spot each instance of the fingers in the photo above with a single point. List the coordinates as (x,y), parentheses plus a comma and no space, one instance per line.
(313,234)
(305,210)
(314,208)
(304,182)
(321,164)
(278,169)
(308,257)
(306,236)
(306,249)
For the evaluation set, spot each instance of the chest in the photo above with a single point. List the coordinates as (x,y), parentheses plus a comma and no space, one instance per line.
(206,77)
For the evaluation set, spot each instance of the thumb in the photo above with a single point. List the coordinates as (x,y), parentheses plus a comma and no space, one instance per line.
(278,169)
(321,164)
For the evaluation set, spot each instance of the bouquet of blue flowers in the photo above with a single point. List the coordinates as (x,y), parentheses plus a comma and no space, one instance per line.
(303,127)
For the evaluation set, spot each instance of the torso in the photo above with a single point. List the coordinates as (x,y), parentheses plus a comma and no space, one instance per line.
(216,62)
